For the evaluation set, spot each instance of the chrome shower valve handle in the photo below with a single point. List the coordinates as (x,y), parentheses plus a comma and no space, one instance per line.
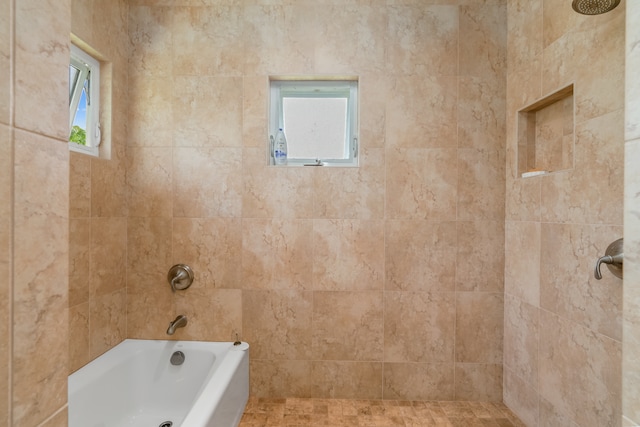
(614,258)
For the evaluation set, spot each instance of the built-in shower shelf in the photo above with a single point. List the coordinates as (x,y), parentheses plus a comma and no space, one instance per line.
(546,134)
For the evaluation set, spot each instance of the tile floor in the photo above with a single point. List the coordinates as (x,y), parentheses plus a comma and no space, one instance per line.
(375,413)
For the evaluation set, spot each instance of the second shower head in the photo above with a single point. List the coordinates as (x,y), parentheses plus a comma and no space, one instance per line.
(594,7)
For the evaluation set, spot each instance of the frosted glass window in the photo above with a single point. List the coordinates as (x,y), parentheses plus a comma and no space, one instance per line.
(319,119)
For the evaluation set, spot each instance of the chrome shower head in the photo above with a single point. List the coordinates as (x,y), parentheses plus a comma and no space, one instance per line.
(594,7)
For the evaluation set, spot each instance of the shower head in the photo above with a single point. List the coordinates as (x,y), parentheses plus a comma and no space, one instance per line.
(594,7)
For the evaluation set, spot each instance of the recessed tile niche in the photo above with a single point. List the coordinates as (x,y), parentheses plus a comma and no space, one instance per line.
(546,134)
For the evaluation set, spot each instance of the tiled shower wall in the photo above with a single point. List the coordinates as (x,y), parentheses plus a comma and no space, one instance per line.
(383,281)
(98,204)
(563,328)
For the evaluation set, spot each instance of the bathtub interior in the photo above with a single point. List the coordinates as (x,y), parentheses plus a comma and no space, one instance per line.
(134,384)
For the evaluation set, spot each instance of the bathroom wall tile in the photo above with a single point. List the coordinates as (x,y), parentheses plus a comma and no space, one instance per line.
(550,416)
(277,254)
(346,380)
(420,255)
(483,40)
(522,261)
(280,378)
(149,181)
(480,256)
(207,111)
(255,98)
(422,112)
(351,192)
(277,324)
(347,325)
(150,304)
(41,65)
(365,51)
(108,314)
(570,251)
(108,255)
(275,192)
(479,325)
(481,113)
(5,81)
(79,339)
(268,28)
(419,327)
(521,398)
(79,186)
(422,40)
(523,202)
(480,193)
(207,182)
(521,339)
(150,38)
(60,419)
(525,30)
(212,247)
(150,111)
(372,95)
(40,280)
(147,249)
(478,382)
(421,184)
(208,40)
(213,314)
(580,372)
(79,260)
(632,65)
(6,215)
(348,255)
(108,187)
(421,381)
(631,294)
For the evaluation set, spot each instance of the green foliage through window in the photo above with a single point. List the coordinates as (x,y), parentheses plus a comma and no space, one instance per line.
(78,135)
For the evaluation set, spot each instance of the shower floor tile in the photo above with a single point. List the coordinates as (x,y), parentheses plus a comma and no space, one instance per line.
(296,412)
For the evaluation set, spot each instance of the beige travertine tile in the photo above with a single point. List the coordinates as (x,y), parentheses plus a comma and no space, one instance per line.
(108,316)
(79,339)
(108,187)
(522,261)
(348,255)
(60,419)
(150,304)
(146,252)
(347,326)
(478,381)
(151,39)
(212,314)
(479,325)
(365,52)
(275,192)
(550,416)
(268,28)
(278,324)
(423,381)
(523,201)
(277,254)
(422,40)
(346,379)
(5,85)
(421,184)
(569,355)
(207,111)
(208,40)
(79,260)
(422,112)
(632,64)
(520,397)
(521,339)
(108,255)
(480,256)
(525,33)
(280,378)
(480,195)
(79,186)
(207,182)
(481,113)
(207,245)
(41,64)
(420,255)
(419,327)
(570,251)
(149,181)
(150,111)
(483,40)
(6,215)
(255,96)
(351,192)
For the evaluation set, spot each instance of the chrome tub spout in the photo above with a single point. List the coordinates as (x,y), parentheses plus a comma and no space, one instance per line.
(179,322)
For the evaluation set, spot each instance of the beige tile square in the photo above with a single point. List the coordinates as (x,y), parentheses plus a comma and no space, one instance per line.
(79,260)
(212,314)
(521,339)
(150,31)
(150,181)
(346,379)
(480,256)
(522,261)
(479,328)
(483,40)
(480,184)
(108,255)
(419,381)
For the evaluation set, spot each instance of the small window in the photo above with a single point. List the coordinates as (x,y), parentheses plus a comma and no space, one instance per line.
(319,119)
(84,102)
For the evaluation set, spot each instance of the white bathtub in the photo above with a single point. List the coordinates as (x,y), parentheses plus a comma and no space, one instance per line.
(135,385)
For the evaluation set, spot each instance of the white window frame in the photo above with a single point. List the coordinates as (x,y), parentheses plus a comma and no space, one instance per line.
(281,88)
(89,71)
